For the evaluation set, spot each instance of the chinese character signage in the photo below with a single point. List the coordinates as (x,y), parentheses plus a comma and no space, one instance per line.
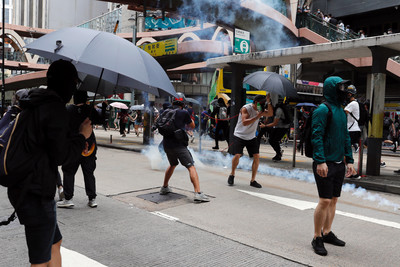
(162,48)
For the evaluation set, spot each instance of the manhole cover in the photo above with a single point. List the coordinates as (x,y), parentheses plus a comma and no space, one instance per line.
(157,198)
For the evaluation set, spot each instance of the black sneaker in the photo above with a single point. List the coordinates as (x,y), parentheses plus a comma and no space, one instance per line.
(230,179)
(318,246)
(277,158)
(398,171)
(215,147)
(255,184)
(331,238)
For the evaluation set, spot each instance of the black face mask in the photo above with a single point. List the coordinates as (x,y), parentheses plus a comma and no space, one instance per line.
(341,93)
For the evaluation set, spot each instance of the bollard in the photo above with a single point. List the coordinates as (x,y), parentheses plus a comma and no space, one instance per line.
(110,138)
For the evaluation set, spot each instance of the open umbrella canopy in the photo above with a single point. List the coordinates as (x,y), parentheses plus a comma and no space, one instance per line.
(91,83)
(192,100)
(306,105)
(105,55)
(137,107)
(271,82)
(119,105)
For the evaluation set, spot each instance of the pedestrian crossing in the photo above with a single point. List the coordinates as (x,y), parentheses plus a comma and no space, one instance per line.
(72,258)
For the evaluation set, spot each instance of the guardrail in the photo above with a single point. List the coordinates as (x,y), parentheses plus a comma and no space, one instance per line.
(323,28)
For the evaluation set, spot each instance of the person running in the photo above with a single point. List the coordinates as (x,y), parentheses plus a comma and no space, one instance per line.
(278,128)
(331,152)
(245,135)
(176,149)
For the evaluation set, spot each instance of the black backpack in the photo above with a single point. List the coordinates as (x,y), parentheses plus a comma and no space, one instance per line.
(308,131)
(18,153)
(288,115)
(364,115)
(166,123)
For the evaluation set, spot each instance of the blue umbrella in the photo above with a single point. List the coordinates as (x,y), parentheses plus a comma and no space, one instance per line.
(306,105)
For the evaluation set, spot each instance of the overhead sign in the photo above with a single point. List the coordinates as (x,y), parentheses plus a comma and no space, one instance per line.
(162,48)
(242,42)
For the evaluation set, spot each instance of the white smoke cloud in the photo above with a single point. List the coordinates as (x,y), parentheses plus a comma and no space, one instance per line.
(265,32)
(206,158)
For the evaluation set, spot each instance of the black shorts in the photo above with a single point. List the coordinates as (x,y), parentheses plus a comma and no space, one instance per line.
(330,186)
(252,146)
(39,217)
(181,153)
(355,137)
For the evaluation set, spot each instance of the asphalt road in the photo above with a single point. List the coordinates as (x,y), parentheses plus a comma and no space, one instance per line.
(241,226)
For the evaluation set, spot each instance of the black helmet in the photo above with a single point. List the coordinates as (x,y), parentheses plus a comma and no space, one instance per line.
(351,89)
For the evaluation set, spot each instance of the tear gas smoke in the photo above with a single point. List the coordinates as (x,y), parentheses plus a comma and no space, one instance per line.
(265,32)
(159,161)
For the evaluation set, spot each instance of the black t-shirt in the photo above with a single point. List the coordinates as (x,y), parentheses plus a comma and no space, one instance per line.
(182,118)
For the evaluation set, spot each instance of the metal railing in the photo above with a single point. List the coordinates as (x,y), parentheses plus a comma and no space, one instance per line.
(20,57)
(105,22)
(323,28)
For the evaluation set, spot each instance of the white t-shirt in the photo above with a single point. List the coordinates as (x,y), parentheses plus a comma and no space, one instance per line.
(247,132)
(352,124)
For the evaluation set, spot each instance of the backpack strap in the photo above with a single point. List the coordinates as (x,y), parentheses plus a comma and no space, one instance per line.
(21,198)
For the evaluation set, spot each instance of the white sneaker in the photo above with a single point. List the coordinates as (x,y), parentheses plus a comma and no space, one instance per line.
(383,164)
(200,197)
(65,203)
(92,203)
(165,190)
(61,195)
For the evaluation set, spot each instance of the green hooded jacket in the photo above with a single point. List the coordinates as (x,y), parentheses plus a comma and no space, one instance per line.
(331,143)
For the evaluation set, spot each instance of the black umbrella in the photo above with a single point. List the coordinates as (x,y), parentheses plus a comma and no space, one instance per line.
(271,82)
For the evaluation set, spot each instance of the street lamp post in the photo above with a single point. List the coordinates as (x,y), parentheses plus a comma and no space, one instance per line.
(3,88)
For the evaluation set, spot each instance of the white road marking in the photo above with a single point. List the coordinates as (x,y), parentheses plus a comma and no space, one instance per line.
(304,205)
(72,258)
(165,216)
(294,203)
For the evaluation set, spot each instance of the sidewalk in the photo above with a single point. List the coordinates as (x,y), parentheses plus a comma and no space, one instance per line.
(387,182)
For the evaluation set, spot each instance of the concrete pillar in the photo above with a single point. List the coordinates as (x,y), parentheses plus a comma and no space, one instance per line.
(380,56)
(238,95)
(378,83)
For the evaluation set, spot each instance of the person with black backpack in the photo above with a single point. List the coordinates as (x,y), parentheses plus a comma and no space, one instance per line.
(279,127)
(171,125)
(331,153)
(222,123)
(353,112)
(48,128)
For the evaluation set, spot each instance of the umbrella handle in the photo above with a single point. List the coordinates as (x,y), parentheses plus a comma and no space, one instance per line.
(95,93)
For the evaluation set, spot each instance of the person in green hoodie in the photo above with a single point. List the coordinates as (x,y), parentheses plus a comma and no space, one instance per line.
(331,153)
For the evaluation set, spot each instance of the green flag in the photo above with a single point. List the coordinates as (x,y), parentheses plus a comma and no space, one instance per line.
(213,91)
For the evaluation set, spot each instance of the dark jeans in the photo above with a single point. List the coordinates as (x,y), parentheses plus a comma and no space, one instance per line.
(88,165)
(122,127)
(275,137)
(224,126)
(129,125)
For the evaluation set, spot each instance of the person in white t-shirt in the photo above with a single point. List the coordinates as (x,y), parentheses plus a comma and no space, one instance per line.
(353,115)
(245,135)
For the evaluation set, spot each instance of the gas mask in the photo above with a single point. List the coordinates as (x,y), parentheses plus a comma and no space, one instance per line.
(341,92)
(260,107)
